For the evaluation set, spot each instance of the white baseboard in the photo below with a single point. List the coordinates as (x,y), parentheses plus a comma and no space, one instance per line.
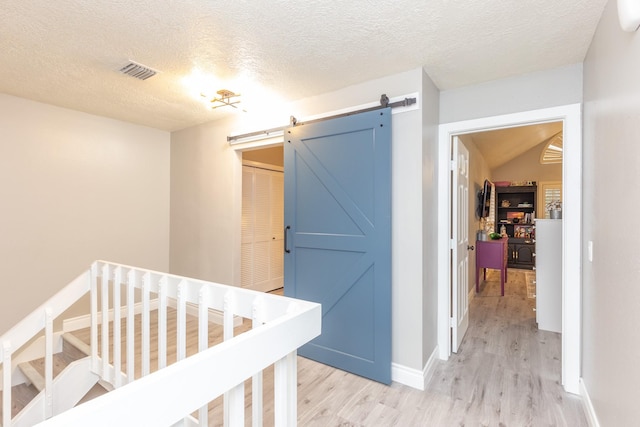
(215,316)
(414,377)
(84,321)
(589,410)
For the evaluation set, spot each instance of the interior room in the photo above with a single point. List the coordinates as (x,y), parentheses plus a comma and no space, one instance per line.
(515,189)
(524,168)
(131,138)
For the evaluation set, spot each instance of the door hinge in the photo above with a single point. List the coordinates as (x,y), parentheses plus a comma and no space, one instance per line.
(451,243)
(452,165)
(452,322)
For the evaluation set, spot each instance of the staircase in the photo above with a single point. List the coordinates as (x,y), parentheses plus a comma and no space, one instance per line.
(57,378)
(70,371)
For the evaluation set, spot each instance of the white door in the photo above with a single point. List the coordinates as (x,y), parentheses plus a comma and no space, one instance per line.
(262,263)
(460,247)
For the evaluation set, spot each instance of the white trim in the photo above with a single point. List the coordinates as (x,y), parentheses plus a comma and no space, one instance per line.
(571,248)
(413,377)
(276,138)
(589,410)
(260,165)
(80,322)
(84,321)
(266,140)
(396,110)
(215,316)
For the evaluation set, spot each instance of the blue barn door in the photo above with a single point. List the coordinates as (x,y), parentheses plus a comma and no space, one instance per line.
(338,237)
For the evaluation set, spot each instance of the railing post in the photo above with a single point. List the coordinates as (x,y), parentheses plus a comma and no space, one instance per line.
(203,342)
(131,343)
(256,381)
(286,391)
(117,304)
(48,362)
(146,325)
(162,322)
(234,398)
(6,384)
(105,321)
(94,317)
(181,325)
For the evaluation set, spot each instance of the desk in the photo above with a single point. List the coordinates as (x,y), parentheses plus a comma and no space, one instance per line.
(491,254)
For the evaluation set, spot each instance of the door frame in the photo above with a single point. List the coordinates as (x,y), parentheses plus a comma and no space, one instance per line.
(571,116)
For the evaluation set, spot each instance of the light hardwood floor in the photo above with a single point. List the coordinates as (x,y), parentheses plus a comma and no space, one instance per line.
(507,373)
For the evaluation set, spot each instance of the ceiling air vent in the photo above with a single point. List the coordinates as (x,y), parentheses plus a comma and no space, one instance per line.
(138,71)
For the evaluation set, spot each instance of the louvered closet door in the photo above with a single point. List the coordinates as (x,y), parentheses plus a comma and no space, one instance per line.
(262,229)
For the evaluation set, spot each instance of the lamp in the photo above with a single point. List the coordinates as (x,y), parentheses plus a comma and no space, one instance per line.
(629,14)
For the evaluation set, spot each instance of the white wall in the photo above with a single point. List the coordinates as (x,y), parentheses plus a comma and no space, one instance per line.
(611,294)
(206,189)
(205,203)
(543,89)
(75,188)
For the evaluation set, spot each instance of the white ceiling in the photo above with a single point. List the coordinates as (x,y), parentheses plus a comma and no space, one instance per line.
(68,52)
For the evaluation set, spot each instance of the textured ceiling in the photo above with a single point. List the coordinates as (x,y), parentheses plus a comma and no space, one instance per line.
(68,52)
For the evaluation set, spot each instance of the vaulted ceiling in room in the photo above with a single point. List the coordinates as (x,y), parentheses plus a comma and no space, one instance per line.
(500,146)
(69,52)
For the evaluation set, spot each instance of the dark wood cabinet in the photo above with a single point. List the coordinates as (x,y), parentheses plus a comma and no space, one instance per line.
(515,211)
(521,255)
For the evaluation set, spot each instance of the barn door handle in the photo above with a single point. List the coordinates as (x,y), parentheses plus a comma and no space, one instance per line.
(286,240)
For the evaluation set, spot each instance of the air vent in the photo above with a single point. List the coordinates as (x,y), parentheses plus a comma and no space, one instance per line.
(138,71)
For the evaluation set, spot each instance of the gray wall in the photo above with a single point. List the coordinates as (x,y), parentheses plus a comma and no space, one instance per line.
(75,188)
(611,294)
(430,121)
(543,89)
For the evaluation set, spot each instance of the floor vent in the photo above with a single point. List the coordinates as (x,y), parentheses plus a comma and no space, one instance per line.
(138,71)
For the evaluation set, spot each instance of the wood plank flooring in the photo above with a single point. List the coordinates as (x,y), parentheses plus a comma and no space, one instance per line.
(507,373)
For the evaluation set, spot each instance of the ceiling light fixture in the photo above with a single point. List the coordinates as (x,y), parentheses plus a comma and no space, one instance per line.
(629,14)
(225,98)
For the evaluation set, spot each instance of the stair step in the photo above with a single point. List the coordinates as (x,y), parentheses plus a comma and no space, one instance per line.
(73,347)
(96,391)
(21,395)
(34,369)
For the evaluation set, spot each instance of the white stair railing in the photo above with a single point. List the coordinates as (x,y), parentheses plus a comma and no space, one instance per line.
(170,394)
(39,322)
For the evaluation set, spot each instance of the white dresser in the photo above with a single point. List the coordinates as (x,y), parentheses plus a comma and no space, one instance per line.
(549,274)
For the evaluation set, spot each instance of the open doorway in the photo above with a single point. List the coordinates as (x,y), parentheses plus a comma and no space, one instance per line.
(262,262)
(525,179)
(570,116)
(524,164)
